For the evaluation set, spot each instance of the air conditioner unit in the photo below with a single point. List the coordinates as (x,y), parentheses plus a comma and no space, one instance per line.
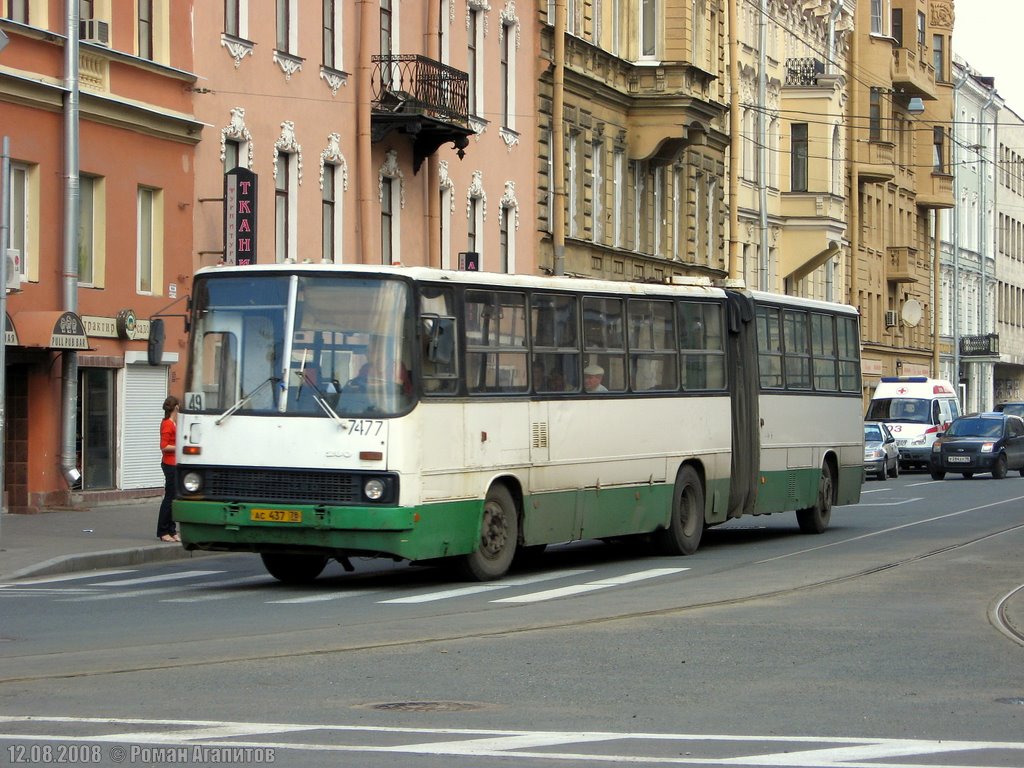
(13,269)
(94,31)
(891,319)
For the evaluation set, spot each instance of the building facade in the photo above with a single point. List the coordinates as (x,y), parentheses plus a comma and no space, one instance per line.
(901,181)
(97,111)
(969,268)
(394,132)
(1009,246)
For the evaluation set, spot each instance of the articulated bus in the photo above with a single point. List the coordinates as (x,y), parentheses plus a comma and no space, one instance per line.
(336,411)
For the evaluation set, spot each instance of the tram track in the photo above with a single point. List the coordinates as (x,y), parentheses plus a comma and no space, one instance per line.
(322,641)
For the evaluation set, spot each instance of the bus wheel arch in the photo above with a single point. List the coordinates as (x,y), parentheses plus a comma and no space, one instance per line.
(816,518)
(686,521)
(499,534)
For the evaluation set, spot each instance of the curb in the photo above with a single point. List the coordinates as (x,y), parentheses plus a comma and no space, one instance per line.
(113,558)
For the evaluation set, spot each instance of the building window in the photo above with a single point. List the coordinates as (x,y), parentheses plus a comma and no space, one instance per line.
(328,211)
(504,242)
(287,26)
(508,77)
(17,10)
(573,182)
(475,62)
(877,18)
(648,28)
(920,30)
(474,242)
(897,26)
(618,195)
(19,213)
(699,10)
(387,220)
(938,149)
(798,158)
(331,38)
(447,201)
(875,115)
(232,154)
(86,229)
(232,18)
(145,29)
(939,57)
(282,184)
(837,162)
(149,238)
(598,192)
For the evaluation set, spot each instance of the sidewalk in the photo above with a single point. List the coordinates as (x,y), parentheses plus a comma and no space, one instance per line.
(108,535)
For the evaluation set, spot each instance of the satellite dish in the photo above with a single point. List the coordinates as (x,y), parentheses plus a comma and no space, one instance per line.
(912,312)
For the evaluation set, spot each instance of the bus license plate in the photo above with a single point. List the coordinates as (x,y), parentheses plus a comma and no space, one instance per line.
(276,515)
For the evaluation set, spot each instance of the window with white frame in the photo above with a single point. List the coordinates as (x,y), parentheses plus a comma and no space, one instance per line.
(639,192)
(90,228)
(232,154)
(699,10)
(476,210)
(18,10)
(387,220)
(508,75)
(475,61)
(330,213)
(332,42)
(658,181)
(282,207)
(233,17)
(504,239)
(145,29)
(573,182)
(648,28)
(19,213)
(444,37)
(150,239)
(447,193)
(700,211)
(878,16)
(711,215)
(837,162)
(618,196)
(677,210)
(287,26)
(616,41)
(598,191)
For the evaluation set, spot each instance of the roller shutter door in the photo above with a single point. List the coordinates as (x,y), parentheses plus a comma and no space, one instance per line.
(144,391)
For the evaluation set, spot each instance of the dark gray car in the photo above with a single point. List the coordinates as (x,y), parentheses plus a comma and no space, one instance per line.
(980,442)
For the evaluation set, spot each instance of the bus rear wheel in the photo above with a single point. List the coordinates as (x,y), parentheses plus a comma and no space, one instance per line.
(816,519)
(686,523)
(293,569)
(499,534)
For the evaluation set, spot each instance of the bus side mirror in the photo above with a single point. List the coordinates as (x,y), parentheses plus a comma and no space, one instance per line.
(440,339)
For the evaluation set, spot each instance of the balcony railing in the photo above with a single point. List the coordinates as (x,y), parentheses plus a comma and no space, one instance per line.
(902,264)
(986,345)
(412,84)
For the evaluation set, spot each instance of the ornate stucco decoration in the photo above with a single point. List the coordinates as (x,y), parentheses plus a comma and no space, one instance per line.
(286,143)
(238,49)
(477,5)
(476,192)
(236,131)
(511,138)
(333,79)
(942,14)
(288,64)
(508,200)
(509,19)
(390,170)
(332,156)
(445,182)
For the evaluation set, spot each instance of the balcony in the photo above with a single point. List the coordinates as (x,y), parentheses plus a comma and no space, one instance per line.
(935,190)
(980,346)
(876,160)
(912,75)
(902,265)
(422,98)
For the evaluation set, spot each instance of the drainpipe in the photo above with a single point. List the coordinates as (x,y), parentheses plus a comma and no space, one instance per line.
(762,149)
(558,140)
(833,17)
(69,358)
(735,145)
(854,153)
(368,18)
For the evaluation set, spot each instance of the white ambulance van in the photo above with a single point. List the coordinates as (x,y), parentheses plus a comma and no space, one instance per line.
(916,409)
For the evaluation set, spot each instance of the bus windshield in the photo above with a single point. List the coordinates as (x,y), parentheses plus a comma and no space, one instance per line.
(309,345)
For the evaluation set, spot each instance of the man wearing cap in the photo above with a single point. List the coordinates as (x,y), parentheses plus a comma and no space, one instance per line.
(592,376)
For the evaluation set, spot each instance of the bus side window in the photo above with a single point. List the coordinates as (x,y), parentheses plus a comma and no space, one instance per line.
(604,340)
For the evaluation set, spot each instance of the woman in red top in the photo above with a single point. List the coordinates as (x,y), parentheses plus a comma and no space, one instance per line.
(165,529)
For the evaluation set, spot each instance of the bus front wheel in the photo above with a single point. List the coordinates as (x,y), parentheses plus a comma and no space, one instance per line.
(499,534)
(293,569)
(686,523)
(816,519)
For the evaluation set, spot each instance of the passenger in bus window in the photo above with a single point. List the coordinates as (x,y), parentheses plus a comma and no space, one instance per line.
(592,378)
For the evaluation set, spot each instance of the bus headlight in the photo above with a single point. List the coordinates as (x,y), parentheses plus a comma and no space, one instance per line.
(373,489)
(191,482)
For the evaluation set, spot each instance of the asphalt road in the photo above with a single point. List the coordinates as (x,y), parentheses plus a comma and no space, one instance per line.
(876,643)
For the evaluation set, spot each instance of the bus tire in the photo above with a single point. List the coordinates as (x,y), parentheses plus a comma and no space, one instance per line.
(293,569)
(499,534)
(816,519)
(686,521)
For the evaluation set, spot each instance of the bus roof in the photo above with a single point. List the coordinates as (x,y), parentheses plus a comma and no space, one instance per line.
(686,286)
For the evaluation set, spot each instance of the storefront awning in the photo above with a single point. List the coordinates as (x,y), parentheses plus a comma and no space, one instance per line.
(10,332)
(51,330)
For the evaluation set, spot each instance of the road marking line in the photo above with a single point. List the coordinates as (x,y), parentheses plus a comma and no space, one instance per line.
(151,579)
(591,586)
(477,588)
(213,586)
(322,598)
(68,577)
(153,591)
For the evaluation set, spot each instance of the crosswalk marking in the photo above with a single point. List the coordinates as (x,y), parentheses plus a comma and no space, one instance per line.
(151,579)
(153,591)
(477,588)
(592,586)
(68,577)
(322,598)
(210,592)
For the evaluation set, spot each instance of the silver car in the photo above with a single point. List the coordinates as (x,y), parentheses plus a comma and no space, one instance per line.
(881,456)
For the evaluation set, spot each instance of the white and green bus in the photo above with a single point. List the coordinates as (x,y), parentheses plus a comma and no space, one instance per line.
(336,411)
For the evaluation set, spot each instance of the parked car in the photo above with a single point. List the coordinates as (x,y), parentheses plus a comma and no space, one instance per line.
(980,442)
(1017,409)
(881,456)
